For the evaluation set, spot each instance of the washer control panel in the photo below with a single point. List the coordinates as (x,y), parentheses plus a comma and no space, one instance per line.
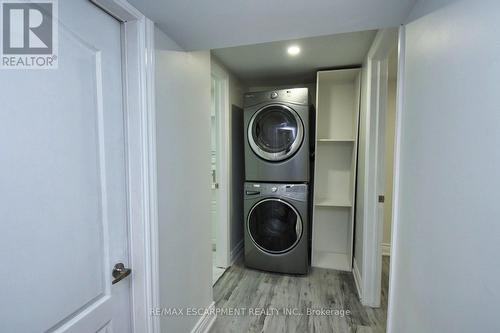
(293,191)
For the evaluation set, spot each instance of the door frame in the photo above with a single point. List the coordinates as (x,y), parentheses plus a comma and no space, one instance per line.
(223,252)
(377,71)
(140,153)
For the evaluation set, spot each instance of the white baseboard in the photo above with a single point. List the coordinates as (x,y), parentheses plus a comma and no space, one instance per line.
(206,321)
(357,279)
(237,251)
(386,249)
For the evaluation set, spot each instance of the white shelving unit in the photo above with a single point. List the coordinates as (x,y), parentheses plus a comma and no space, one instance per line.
(337,103)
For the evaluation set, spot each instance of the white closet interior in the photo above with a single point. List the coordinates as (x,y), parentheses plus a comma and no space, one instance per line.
(337,116)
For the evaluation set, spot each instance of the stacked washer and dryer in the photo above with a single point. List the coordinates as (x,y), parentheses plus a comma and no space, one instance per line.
(278,154)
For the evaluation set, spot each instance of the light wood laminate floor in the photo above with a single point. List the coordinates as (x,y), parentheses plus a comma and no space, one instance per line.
(243,288)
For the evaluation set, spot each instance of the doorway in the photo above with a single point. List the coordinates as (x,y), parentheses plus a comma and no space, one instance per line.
(220,201)
(335,92)
(375,190)
(386,167)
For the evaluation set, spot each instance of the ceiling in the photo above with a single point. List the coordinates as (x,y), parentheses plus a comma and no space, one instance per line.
(204,24)
(269,64)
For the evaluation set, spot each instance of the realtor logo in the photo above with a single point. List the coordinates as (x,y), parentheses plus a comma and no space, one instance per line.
(29,34)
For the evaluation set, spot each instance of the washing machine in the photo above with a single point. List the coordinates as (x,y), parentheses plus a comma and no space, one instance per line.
(277,135)
(276,227)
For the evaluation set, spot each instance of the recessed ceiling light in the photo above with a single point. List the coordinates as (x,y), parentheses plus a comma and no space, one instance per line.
(293,50)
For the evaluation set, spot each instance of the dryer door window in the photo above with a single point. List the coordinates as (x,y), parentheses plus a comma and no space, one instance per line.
(274,225)
(275,132)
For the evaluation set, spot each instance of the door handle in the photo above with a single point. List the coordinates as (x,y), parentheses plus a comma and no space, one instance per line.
(252,192)
(120,272)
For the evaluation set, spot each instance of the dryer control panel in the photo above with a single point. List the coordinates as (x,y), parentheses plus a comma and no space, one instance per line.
(293,95)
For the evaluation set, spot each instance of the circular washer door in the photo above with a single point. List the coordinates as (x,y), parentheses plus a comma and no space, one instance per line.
(274,225)
(275,132)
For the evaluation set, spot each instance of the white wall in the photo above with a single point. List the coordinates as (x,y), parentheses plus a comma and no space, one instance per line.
(445,271)
(237,180)
(236,87)
(183,157)
(236,147)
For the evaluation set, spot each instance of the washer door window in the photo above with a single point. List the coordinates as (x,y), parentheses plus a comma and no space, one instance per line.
(274,225)
(275,132)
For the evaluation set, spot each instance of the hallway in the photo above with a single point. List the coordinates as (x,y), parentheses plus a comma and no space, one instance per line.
(325,289)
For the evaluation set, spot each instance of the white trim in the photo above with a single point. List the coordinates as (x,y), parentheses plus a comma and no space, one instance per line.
(357,279)
(354,177)
(396,176)
(138,67)
(223,252)
(386,249)
(150,164)
(237,251)
(121,10)
(372,227)
(206,321)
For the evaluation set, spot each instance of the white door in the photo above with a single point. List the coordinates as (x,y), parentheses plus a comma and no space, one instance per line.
(63,221)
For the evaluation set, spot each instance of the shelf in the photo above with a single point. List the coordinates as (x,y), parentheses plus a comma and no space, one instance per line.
(335,140)
(334,172)
(332,203)
(337,104)
(337,114)
(331,260)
